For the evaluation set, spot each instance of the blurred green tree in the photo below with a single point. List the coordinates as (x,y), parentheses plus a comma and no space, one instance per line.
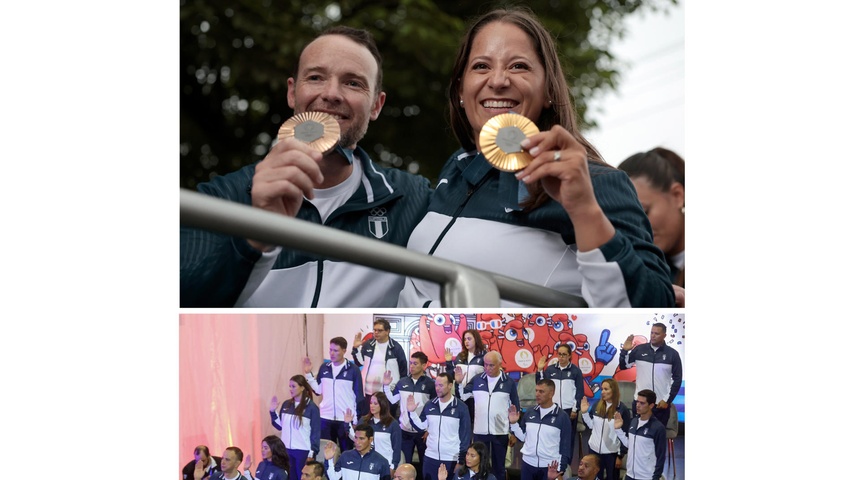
(236,56)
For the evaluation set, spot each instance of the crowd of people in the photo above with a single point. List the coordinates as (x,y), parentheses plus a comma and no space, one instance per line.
(408,411)
(575,223)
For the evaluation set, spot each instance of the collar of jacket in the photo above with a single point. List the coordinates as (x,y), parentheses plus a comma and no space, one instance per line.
(554,410)
(474,167)
(502,376)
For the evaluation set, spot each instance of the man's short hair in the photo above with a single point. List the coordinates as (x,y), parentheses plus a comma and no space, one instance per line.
(420,356)
(446,375)
(594,457)
(649,395)
(661,326)
(317,466)
(367,429)
(359,36)
(384,323)
(494,354)
(202,449)
(237,452)
(546,383)
(339,341)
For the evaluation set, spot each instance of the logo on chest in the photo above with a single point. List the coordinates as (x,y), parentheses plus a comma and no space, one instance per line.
(377,222)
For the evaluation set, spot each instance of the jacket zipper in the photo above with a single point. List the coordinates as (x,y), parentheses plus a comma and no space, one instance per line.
(457,213)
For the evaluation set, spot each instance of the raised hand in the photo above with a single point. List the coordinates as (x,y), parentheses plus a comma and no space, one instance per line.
(583,405)
(348,415)
(329,450)
(448,355)
(552,470)
(387,378)
(306,365)
(356,342)
(513,414)
(628,344)
(458,375)
(410,403)
(605,351)
(274,404)
(248,462)
(619,422)
(442,472)
(200,470)
(542,362)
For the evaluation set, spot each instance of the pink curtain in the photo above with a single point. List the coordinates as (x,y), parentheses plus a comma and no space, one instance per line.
(230,366)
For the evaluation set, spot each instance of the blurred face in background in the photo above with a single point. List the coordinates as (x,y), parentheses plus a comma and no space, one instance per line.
(664,213)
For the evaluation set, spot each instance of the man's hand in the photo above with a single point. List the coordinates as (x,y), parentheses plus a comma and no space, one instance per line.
(458,375)
(662,404)
(513,414)
(552,470)
(200,470)
(628,344)
(387,378)
(410,403)
(442,473)
(306,365)
(348,415)
(284,178)
(356,342)
(329,450)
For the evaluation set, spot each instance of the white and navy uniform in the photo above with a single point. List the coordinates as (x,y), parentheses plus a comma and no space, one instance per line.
(219,270)
(269,471)
(603,438)
(473,200)
(386,440)
(491,406)
(422,390)
(355,466)
(568,385)
(449,430)
(372,371)
(338,394)
(657,369)
(646,448)
(545,438)
(473,367)
(299,437)
(493,396)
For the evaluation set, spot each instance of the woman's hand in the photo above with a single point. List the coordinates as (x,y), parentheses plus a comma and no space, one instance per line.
(560,163)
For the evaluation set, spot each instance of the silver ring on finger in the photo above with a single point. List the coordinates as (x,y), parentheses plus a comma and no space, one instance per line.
(556,156)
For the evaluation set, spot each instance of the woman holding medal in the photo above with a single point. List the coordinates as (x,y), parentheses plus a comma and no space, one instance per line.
(567,220)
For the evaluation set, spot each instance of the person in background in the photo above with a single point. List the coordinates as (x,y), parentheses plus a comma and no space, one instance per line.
(339,383)
(386,431)
(494,391)
(230,462)
(276,462)
(299,423)
(377,356)
(588,468)
(545,433)
(313,470)
(658,368)
(470,360)
(477,465)
(208,463)
(645,440)
(568,384)
(446,421)
(421,389)
(405,472)
(360,463)
(600,418)
(658,176)
(568,220)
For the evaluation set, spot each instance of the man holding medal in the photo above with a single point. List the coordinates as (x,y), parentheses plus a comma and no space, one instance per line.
(338,80)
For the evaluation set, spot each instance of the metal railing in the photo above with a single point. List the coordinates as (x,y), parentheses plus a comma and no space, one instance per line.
(462,286)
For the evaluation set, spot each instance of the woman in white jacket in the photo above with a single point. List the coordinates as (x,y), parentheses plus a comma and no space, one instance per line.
(600,419)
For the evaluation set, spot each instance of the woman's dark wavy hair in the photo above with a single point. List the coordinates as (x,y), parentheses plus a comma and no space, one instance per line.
(561,110)
(483,464)
(307,393)
(280,458)
(660,166)
(463,356)
(385,416)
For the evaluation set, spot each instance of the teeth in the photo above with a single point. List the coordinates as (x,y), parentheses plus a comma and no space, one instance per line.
(498,104)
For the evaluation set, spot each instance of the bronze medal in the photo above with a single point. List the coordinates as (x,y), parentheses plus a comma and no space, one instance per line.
(319,130)
(500,141)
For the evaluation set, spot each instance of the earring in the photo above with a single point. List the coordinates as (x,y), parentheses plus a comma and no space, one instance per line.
(461,103)
(682,209)
(550,102)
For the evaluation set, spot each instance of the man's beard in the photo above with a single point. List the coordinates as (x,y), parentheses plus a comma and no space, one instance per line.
(352,135)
